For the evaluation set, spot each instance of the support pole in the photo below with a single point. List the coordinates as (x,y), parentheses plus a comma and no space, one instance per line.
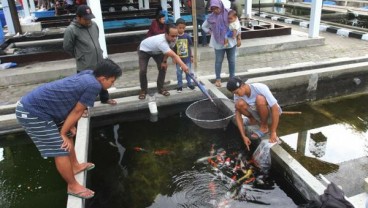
(11,17)
(164,5)
(248,8)
(26,9)
(195,34)
(96,10)
(176,9)
(315,18)
(146,4)
(32,4)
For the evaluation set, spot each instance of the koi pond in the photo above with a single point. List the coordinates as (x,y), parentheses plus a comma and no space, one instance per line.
(348,18)
(155,164)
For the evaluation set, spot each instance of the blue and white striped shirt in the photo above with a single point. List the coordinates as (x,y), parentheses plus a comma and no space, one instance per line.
(54,101)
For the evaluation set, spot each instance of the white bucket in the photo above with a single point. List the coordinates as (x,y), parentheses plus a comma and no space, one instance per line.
(152,107)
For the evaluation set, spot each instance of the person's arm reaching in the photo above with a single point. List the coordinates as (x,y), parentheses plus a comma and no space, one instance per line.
(275,122)
(177,60)
(239,122)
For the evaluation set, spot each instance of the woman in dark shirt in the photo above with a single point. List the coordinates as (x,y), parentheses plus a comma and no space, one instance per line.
(157,25)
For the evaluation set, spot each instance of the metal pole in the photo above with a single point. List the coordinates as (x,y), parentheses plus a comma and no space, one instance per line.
(96,10)
(259,7)
(11,17)
(195,33)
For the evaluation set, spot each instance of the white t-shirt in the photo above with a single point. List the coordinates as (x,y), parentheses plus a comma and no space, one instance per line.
(155,44)
(235,25)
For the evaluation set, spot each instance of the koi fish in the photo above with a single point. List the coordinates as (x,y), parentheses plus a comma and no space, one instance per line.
(161,152)
(139,149)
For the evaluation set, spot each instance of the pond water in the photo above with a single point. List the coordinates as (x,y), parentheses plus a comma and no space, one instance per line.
(145,164)
(132,172)
(26,179)
(331,138)
(350,19)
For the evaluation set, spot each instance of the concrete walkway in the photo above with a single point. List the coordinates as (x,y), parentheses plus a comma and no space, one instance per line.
(335,47)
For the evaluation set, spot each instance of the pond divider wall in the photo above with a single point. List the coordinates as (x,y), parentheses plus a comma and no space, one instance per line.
(289,88)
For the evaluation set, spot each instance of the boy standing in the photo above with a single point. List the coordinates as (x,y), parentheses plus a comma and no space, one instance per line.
(184,50)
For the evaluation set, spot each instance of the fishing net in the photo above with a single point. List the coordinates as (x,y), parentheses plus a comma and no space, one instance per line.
(211,115)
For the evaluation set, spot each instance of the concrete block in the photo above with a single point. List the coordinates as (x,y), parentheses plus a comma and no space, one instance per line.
(263,15)
(274,18)
(31,27)
(323,27)
(289,21)
(9,50)
(304,24)
(365,37)
(343,32)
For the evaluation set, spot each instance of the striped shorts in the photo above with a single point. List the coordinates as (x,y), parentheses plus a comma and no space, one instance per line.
(44,134)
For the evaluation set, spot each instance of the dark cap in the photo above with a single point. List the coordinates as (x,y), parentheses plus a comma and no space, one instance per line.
(85,12)
(234,83)
(180,21)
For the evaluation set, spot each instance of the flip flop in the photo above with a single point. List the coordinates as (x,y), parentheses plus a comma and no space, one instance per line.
(90,166)
(85,114)
(110,102)
(257,134)
(80,194)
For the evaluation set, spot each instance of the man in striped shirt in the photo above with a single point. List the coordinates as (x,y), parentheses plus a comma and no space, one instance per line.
(62,103)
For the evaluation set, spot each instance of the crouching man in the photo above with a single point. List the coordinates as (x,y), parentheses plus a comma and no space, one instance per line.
(256,102)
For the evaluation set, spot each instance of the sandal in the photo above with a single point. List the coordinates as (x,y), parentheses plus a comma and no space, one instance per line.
(164,92)
(110,102)
(142,95)
(218,83)
(257,134)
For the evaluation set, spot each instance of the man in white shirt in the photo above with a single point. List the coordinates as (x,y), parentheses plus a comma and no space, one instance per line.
(159,48)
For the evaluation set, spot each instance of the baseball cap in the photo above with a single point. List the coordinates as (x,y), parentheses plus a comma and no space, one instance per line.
(85,12)
(234,83)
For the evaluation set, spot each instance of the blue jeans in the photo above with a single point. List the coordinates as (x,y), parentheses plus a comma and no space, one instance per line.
(179,74)
(230,54)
